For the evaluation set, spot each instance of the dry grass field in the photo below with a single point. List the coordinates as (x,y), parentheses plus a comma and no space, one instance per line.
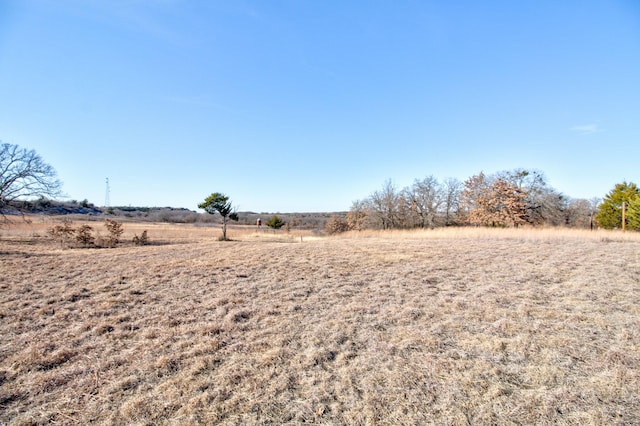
(455,326)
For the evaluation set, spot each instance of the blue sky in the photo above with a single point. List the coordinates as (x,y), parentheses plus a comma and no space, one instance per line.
(308,105)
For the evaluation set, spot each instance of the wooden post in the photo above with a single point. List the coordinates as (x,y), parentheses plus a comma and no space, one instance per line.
(624,215)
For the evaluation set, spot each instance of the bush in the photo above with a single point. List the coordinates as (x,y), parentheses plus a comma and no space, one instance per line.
(62,233)
(115,231)
(336,225)
(142,240)
(275,222)
(83,235)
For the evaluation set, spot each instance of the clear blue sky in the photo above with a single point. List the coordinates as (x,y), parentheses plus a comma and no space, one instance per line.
(308,105)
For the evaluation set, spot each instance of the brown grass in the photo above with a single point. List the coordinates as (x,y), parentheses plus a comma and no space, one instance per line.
(461,326)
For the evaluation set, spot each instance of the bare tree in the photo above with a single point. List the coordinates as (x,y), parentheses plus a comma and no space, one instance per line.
(24,175)
(424,198)
(544,205)
(383,205)
(530,180)
(578,213)
(407,215)
(452,188)
(595,204)
(547,208)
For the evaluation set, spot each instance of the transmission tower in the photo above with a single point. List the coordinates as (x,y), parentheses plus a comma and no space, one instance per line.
(106,195)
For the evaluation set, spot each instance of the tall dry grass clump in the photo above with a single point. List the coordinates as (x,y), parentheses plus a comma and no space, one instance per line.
(457,327)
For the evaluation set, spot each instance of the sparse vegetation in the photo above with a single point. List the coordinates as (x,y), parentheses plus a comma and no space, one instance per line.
(64,233)
(444,326)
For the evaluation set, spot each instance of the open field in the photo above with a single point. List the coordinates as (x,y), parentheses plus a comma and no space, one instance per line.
(453,326)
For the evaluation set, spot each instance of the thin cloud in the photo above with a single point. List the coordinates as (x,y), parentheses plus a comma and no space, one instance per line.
(586,129)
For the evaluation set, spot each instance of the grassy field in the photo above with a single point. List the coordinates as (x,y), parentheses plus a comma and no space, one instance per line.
(455,326)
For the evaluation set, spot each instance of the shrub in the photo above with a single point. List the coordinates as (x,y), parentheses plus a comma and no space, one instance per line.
(142,240)
(62,233)
(356,218)
(275,222)
(83,235)
(115,231)
(336,225)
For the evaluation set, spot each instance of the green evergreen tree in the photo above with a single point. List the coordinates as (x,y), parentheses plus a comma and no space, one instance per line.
(609,214)
(633,213)
(275,222)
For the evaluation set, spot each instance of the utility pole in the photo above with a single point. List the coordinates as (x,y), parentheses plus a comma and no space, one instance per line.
(106,195)
(624,215)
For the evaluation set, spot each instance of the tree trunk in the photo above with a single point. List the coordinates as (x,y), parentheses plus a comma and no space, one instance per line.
(224,228)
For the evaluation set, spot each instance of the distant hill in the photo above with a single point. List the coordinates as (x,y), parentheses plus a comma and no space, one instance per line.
(314,220)
(53,207)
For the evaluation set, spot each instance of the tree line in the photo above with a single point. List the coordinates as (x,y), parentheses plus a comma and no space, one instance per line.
(511,198)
